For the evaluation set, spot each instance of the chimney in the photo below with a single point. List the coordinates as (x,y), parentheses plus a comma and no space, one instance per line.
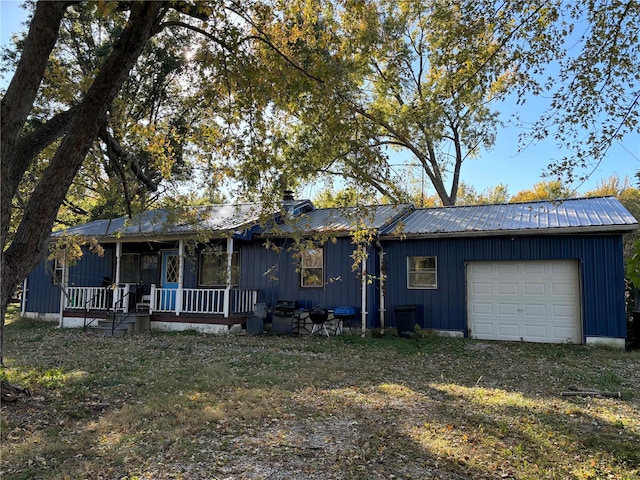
(287,201)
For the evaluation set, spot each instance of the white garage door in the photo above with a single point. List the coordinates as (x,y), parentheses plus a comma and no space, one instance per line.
(532,301)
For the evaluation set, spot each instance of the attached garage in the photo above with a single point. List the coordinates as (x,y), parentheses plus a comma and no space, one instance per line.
(531,301)
(549,272)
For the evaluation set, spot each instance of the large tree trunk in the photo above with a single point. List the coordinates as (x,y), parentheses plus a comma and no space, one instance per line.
(30,242)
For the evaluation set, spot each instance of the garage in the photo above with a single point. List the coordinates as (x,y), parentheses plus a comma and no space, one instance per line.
(531,301)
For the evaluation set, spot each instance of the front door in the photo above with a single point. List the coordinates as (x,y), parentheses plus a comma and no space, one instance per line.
(170,275)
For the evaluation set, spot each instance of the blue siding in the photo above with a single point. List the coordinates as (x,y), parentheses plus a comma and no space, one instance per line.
(601,270)
(92,269)
(190,273)
(42,295)
(273,273)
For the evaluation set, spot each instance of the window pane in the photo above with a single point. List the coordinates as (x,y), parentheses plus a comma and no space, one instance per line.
(312,258)
(129,268)
(149,269)
(213,269)
(312,277)
(422,263)
(312,267)
(422,272)
(172,269)
(422,279)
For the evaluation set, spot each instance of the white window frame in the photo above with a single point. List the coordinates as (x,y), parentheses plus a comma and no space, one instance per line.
(304,276)
(416,271)
(57,272)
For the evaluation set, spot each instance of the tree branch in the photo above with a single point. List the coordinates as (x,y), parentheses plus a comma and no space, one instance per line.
(116,153)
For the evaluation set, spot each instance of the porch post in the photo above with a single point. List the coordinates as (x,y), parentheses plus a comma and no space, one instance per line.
(63,292)
(23,305)
(363,326)
(152,300)
(180,277)
(383,278)
(117,279)
(227,292)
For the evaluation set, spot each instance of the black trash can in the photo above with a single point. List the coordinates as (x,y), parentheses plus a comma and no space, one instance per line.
(255,325)
(406,320)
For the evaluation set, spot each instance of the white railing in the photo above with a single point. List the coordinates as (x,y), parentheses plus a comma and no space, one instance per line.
(163,299)
(191,300)
(202,300)
(97,298)
(242,301)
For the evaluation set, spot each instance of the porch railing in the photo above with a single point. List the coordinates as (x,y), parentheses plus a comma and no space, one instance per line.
(214,301)
(97,298)
(202,300)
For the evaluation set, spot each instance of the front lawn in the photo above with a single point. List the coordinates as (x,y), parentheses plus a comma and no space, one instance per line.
(192,406)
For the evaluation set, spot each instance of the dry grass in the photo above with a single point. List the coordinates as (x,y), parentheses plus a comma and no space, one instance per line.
(188,406)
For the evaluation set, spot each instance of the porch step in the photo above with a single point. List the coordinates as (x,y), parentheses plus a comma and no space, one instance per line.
(135,322)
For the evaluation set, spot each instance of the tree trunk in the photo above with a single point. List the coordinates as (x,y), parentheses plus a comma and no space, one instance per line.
(30,242)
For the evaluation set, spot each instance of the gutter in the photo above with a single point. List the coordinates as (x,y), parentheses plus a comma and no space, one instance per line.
(611,229)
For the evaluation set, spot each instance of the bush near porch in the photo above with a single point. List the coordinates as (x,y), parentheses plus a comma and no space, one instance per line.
(194,406)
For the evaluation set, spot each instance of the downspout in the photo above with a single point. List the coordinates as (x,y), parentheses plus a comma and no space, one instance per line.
(382,281)
(363,309)
(227,293)
(180,277)
(117,279)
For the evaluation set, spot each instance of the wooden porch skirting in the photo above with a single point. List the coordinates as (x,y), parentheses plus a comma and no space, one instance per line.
(169,317)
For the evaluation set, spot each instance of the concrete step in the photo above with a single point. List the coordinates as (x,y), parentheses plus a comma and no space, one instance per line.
(124,324)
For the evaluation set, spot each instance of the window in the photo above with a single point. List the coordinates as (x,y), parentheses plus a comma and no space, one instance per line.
(58,272)
(213,269)
(422,272)
(149,269)
(129,268)
(312,267)
(172,268)
(139,268)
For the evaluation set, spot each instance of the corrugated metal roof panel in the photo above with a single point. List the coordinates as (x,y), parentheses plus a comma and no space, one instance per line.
(342,219)
(216,218)
(588,213)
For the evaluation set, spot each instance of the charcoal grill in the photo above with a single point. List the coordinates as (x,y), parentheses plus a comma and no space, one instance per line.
(319,316)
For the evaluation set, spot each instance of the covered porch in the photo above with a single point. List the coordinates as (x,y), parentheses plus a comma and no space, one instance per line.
(161,280)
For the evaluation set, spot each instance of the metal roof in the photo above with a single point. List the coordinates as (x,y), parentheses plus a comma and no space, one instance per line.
(341,220)
(596,214)
(214,220)
(576,215)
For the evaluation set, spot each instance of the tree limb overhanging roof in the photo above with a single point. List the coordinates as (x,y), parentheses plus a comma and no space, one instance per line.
(239,220)
(340,221)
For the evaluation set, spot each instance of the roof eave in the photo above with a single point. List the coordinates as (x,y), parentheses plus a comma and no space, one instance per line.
(603,229)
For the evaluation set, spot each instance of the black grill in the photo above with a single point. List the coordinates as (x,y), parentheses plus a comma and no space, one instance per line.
(285,308)
(319,315)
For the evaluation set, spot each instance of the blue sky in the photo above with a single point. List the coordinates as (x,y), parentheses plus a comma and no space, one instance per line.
(504,164)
